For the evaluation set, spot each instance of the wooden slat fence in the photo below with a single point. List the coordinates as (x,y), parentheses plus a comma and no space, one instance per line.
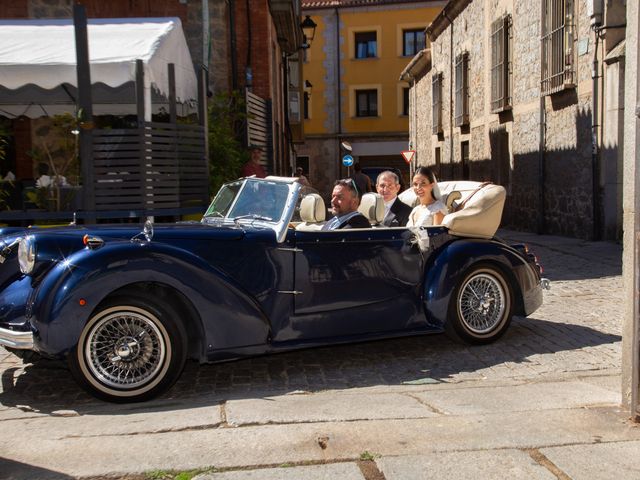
(159,166)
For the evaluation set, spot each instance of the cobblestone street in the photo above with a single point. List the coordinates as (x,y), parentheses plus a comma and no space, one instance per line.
(576,330)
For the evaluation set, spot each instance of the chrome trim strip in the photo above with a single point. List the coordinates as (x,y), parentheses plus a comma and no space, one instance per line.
(13,339)
(291,292)
(290,249)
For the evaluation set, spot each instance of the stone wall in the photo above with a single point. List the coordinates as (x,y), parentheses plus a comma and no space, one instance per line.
(553,191)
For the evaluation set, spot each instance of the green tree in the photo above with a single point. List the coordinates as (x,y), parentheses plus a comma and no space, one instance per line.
(56,145)
(227,116)
(5,186)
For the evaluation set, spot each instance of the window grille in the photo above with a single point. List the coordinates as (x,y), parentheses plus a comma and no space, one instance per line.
(462,90)
(501,87)
(436,98)
(558,71)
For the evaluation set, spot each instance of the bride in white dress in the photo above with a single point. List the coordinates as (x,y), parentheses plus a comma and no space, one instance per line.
(430,210)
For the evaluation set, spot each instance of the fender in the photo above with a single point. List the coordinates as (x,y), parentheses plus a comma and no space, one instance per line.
(444,267)
(228,316)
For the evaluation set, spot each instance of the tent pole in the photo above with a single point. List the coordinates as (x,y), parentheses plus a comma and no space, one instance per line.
(85,109)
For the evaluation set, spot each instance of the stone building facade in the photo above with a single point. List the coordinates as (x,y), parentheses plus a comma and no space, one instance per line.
(559,152)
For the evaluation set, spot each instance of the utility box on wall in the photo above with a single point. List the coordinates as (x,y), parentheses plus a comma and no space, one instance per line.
(594,11)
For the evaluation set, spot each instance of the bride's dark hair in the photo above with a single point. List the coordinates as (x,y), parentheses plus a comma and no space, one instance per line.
(427,172)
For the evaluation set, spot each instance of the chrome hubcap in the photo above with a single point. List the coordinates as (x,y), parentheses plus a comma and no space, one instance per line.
(125,349)
(482,303)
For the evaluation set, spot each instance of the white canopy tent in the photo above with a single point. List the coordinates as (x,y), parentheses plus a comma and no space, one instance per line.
(38,66)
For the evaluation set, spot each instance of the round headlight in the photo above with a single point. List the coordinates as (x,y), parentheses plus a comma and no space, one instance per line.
(27,254)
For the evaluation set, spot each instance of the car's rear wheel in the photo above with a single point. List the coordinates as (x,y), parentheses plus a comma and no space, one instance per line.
(130,350)
(481,306)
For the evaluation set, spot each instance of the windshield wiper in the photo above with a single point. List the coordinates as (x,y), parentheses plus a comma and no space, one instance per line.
(253,216)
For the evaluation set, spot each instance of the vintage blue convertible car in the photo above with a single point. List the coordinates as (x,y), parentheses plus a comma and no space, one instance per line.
(127,306)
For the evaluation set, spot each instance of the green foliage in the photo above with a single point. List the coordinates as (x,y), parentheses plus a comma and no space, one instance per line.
(7,186)
(172,475)
(5,192)
(4,134)
(56,145)
(367,455)
(227,115)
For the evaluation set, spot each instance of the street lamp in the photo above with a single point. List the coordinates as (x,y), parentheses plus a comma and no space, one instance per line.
(309,30)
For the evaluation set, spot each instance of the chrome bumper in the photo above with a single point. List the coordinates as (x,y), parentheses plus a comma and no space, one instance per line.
(18,340)
(545,283)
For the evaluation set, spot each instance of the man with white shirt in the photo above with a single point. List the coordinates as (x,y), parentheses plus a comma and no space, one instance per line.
(396,213)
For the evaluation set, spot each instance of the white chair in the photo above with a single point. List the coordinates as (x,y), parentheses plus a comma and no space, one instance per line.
(372,207)
(312,213)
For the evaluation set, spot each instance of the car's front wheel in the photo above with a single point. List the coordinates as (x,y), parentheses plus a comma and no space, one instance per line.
(481,306)
(130,350)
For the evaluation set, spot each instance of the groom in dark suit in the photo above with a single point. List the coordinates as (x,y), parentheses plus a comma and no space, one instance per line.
(396,213)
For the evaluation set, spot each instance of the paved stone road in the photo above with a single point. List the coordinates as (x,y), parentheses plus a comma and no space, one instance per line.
(576,330)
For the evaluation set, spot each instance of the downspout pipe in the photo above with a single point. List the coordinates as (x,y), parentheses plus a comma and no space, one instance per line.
(451,61)
(338,86)
(542,122)
(595,126)
(234,46)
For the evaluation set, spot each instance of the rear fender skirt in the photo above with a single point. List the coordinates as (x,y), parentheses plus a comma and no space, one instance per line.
(229,317)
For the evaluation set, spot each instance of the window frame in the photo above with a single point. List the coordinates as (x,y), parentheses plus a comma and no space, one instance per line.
(461,114)
(501,64)
(404,112)
(367,44)
(369,92)
(415,32)
(436,103)
(306,98)
(558,65)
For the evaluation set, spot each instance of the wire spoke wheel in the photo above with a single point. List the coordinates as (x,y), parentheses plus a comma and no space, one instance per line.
(480,309)
(482,303)
(125,349)
(131,349)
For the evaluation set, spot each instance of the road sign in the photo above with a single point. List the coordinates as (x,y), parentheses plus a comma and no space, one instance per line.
(347,160)
(408,155)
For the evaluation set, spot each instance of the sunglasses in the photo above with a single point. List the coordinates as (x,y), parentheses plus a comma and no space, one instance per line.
(349,183)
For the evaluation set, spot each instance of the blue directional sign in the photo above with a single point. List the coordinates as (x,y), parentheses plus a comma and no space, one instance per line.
(347,160)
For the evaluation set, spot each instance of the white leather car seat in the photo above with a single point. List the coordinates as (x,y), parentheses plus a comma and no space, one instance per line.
(372,207)
(312,213)
(475,208)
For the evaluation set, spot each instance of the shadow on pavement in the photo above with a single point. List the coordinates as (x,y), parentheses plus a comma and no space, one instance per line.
(565,258)
(10,469)
(45,387)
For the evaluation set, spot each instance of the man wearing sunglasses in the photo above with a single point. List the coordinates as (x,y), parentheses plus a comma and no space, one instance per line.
(344,205)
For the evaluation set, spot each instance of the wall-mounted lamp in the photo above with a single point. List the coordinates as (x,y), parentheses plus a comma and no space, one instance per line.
(307,84)
(309,31)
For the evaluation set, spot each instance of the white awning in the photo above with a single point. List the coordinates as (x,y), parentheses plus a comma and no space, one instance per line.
(41,54)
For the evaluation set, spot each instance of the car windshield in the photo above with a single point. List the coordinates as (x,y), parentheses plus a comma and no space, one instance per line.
(251,199)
